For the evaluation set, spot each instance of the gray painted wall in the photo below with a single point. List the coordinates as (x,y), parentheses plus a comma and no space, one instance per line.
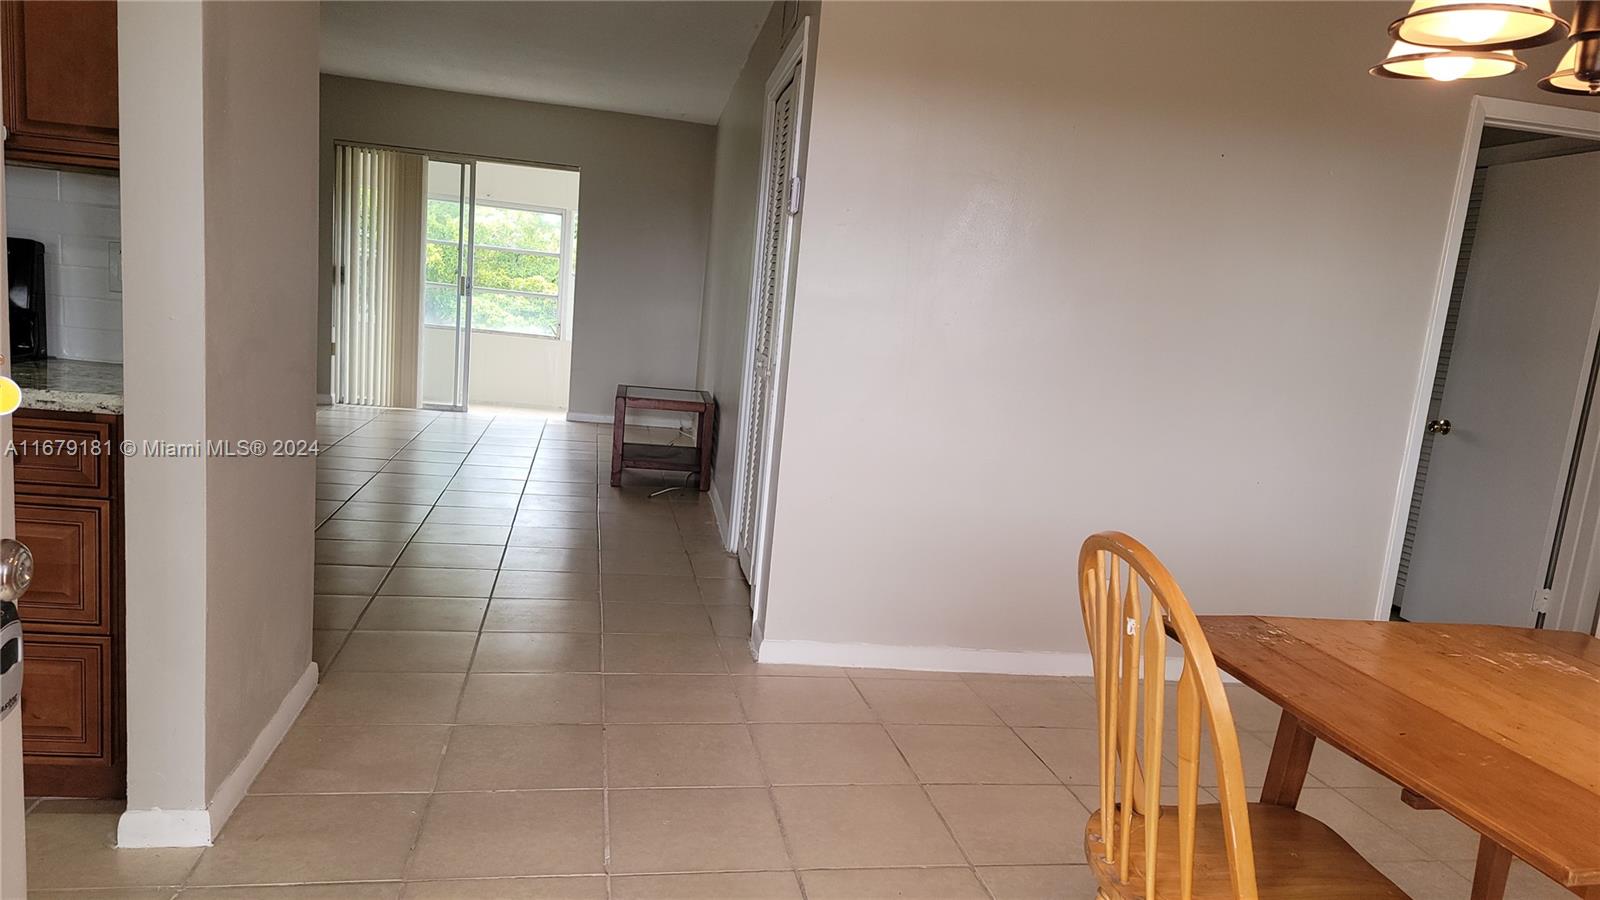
(1045,291)
(260,150)
(219,137)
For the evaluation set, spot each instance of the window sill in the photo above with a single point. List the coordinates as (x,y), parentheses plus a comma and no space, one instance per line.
(526,334)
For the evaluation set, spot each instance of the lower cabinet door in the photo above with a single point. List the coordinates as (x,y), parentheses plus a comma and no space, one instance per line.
(70,539)
(67,717)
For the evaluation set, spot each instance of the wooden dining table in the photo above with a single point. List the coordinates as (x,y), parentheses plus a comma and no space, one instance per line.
(1500,727)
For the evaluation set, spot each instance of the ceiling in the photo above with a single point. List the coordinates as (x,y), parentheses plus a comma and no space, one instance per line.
(669,60)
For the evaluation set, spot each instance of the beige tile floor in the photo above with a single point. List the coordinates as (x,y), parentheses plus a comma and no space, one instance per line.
(537,686)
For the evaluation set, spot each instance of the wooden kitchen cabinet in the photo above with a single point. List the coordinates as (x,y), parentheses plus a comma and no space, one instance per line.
(69,513)
(67,722)
(60,81)
(79,474)
(71,590)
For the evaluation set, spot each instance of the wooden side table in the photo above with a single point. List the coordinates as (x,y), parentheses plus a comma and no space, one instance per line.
(696,459)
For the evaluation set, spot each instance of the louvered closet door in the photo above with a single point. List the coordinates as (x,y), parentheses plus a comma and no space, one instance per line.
(774,251)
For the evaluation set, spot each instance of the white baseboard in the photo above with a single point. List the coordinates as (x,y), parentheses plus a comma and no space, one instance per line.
(138,828)
(197,827)
(233,788)
(923,659)
(936,659)
(717,507)
(324,399)
(589,418)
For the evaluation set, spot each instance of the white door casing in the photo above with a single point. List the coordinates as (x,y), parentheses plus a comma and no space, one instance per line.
(1483,111)
(766,338)
(1518,370)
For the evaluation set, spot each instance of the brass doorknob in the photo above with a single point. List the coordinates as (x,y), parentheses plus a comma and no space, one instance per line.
(16,570)
(1439,426)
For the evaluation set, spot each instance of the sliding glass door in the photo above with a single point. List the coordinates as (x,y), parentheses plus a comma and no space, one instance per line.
(447,284)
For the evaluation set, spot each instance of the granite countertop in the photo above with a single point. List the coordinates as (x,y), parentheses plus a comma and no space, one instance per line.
(70,385)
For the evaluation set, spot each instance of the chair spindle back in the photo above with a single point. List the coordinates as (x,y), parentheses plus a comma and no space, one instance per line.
(1130,602)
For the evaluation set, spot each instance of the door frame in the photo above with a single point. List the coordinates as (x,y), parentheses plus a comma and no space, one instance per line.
(1503,113)
(794,59)
(1577,576)
(13,810)
(468,188)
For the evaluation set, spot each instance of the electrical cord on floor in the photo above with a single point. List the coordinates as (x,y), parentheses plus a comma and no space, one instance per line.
(686,434)
(676,487)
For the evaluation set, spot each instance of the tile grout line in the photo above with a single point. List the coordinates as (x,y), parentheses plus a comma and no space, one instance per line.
(605,765)
(336,443)
(455,715)
(605,737)
(405,545)
(427,805)
(349,632)
(922,788)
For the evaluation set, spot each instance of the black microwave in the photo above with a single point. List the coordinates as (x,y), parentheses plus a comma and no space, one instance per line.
(25,266)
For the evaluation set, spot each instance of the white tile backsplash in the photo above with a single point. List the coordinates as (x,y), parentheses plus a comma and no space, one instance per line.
(101,315)
(77,218)
(82,251)
(90,190)
(77,281)
(33,184)
(89,343)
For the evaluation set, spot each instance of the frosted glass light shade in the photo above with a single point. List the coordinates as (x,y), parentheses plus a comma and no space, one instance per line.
(1465,25)
(1425,63)
(1565,79)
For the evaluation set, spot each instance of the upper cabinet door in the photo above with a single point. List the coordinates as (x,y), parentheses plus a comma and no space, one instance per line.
(60,82)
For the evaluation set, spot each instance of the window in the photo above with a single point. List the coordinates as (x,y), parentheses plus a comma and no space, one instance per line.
(441,261)
(519,267)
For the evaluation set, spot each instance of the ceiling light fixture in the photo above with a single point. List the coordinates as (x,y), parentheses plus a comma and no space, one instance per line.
(1447,40)
(1466,25)
(1408,61)
(1579,70)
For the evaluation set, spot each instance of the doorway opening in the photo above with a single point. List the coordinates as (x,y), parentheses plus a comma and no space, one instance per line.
(455,280)
(1502,523)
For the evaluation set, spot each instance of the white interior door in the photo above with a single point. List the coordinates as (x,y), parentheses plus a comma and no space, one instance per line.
(1517,374)
(767,312)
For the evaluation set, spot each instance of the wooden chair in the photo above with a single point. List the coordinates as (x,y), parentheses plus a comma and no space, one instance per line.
(1139,848)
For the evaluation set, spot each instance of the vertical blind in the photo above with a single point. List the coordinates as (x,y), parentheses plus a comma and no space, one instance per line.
(377,292)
